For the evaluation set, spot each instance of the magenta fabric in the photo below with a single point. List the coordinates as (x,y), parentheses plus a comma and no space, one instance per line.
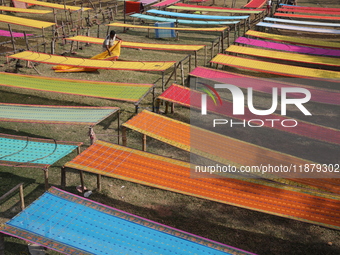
(255,4)
(186,96)
(263,85)
(289,47)
(8,34)
(147,2)
(165,3)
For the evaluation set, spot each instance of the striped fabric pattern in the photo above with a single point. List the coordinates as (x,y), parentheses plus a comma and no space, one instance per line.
(131,92)
(191,98)
(164,33)
(294,40)
(94,63)
(57,220)
(54,114)
(28,151)
(177,176)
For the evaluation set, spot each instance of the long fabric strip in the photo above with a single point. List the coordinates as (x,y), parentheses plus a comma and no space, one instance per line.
(57,220)
(169,174)
(289,47)
(192,98)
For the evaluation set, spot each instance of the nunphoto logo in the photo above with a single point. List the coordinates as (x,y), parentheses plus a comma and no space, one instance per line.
(238,105)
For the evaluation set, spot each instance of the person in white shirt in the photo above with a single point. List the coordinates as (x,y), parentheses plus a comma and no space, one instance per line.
(109,41)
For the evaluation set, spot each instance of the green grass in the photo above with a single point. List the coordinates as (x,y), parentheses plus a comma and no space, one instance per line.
(249,230)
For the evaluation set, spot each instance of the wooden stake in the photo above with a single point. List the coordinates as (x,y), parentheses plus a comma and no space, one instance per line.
(12,38)
(153,98)
(144,143)
(2,244)
(72,24)
(175,73)
(182,72)
(118,126)
(166,107)
(63,177)
(44,39)
(81,175)
(26,41)
(124,139)
(219,45)
(195,60)
(46,178)
(163,85)
(212,50)
(99,183)
(228,36)
(157,103)
(55,16)
(77,45)
(65,10)
(63,31)
(71,49)
(222,41)
(81,15)
(172,108)
(21,194)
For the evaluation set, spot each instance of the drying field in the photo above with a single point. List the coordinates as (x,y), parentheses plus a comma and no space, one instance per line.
(245,229)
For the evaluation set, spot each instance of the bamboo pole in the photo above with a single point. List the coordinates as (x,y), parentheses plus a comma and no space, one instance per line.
(124,138)
(172,110)
(53,41)
(212,50)
(182,72)
(81,175)
(26,41)
(175,73)
(44,39)
(99,183)
(157,103)
(163,85)
(72,24)
(153,98)
(222,41)
(63,177)
(12,38)
(166,107)
(2,244)
(144,143)
(228,36)
(63,31)
(65,10)
(118,126)
(77,44)
(22,200)
(55,16)
(81,15)
(46,178)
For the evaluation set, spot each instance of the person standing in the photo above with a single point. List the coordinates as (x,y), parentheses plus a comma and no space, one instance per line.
(110,40)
